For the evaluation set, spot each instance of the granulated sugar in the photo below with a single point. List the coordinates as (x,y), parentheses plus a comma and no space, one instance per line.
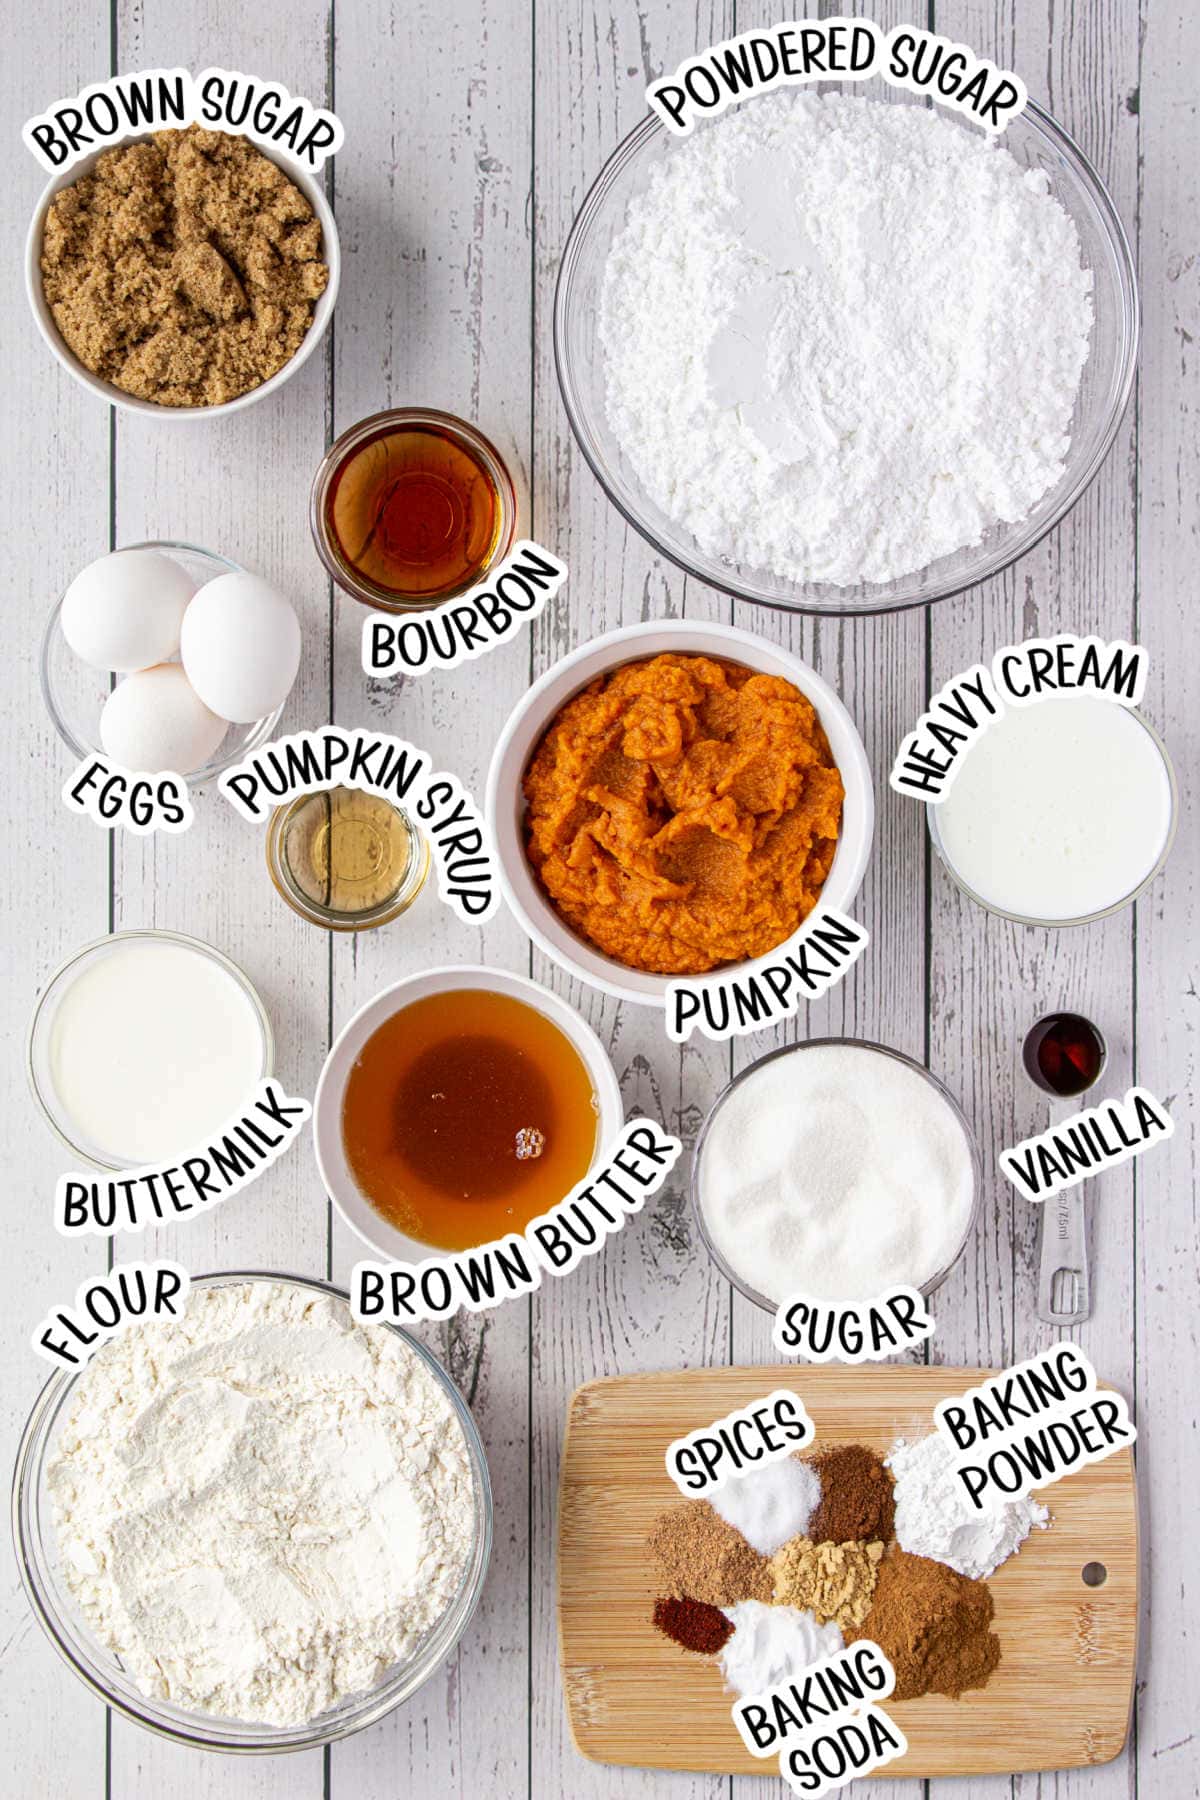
(835,1172)
(843,338)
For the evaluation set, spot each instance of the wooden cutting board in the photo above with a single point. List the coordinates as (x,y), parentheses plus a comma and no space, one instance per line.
(1059,1699)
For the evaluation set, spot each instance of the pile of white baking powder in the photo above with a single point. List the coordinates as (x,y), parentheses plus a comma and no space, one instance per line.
(262,1506)
(834,1173)
(772,1644)
(843,338)
(935,1519)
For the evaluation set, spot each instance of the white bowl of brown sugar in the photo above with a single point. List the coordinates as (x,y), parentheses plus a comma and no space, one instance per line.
(229,271)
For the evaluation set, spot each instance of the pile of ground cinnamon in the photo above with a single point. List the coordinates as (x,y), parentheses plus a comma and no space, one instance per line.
(832,1581)
(183,269)
(933,1624)
(856,1496)
(700,1557)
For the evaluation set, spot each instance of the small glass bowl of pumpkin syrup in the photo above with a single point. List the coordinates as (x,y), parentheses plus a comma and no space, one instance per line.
(410,508)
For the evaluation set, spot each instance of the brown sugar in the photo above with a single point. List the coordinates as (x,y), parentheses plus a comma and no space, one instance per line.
(700,1557)
(856,1496)
(184,268)
(933,1624)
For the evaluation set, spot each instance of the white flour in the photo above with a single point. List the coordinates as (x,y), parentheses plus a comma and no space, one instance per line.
(263,1506)
(935,1519)
(843,338)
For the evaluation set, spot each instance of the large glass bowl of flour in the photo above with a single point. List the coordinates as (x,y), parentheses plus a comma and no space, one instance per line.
(583,358)
(40,1566)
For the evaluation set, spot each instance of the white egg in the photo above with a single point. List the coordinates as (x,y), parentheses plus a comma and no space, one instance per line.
(154,720)
(124,611)
(240,645)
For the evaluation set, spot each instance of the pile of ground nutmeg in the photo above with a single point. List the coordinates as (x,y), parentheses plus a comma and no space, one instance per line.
(700,1557)
(183,268)
(933,1624)
(856,1496)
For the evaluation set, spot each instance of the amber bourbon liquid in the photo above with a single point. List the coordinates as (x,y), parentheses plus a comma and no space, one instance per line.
(466,1115)
(414,512)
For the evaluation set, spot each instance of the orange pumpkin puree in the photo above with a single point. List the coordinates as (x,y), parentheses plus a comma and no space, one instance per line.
(683,813)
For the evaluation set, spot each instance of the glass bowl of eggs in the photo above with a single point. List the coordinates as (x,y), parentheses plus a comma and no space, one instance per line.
(167,658)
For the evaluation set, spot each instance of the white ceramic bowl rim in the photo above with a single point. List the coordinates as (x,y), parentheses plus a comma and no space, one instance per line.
(555,937)
(368,1225)
(114,396)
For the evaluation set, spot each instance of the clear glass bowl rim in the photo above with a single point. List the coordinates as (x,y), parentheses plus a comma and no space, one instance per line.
(1058,140)
(1105,912)
(93,948)
(481,446)
(328,917)
(225,757)
(834,1043)
(366,1710)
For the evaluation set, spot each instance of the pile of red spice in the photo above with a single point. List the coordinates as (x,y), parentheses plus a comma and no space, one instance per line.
(693,1624)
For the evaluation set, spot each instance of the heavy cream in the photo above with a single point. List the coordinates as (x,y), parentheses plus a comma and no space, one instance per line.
(153,1047)
(1061,810)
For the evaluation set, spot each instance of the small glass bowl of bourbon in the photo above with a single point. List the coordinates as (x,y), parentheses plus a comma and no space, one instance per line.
(410,508)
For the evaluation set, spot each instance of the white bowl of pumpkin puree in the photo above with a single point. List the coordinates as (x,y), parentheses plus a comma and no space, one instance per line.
(673,800)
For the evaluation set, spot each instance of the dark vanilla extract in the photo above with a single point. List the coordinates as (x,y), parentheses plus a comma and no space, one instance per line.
(1064,1054)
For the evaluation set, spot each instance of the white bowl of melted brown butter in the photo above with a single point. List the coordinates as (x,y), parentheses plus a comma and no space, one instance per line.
(457,1106)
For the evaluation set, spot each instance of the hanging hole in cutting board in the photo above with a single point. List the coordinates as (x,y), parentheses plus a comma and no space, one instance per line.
(1093,1574)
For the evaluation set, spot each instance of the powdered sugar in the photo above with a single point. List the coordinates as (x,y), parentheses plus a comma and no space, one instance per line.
(262,1507)
(935,1519)
(844,338)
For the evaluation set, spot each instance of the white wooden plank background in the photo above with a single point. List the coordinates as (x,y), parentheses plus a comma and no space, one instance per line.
(472,132)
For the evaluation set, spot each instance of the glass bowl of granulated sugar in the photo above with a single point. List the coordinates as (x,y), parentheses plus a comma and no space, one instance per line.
(260,1530)
(835,1169)
(844,354)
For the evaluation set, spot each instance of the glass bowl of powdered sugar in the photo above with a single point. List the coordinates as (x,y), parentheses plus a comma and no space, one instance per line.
(834,1170)
(842,353)
(257,1528)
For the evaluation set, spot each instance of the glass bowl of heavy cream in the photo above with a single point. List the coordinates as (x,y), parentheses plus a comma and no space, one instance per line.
(271,1540)
(833,1170)
(1063,812)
